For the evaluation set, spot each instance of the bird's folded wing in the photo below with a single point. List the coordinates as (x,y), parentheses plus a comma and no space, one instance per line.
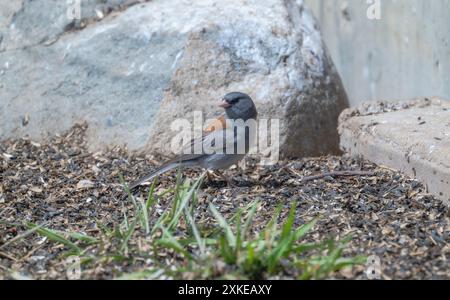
(214,142)
(216,138)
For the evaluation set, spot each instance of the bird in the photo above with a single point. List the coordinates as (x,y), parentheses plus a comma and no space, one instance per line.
(231,127)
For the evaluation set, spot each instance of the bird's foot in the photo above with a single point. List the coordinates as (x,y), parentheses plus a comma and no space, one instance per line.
(229,181)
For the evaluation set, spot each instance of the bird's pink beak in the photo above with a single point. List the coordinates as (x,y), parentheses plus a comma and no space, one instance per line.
(224,104)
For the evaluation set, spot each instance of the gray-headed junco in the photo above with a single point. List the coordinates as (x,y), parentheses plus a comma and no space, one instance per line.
(222,144)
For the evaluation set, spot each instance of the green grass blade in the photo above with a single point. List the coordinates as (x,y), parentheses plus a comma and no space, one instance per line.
(184,201)
(231,220)
(224,225)
(144,214)
(127,191)
(299,249)
(225,250)
(196,233)
(270,232)
(55,237)
(151,198)
(249,218)
(21,236)
(289,223)
(238,246)
(80,237)
(351,261)
(168,240)
(304,229)
(128,235)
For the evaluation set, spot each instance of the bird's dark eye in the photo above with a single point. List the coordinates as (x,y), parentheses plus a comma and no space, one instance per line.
(234,100)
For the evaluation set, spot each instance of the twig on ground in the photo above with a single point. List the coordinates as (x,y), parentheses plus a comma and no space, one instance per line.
(8,256)
(337,174)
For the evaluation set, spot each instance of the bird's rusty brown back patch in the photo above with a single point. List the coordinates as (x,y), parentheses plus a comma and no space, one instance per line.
(219,124)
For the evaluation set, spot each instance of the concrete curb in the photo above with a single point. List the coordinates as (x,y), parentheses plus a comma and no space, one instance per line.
(413,137)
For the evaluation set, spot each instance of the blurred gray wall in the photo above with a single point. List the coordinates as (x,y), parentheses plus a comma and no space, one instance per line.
(404,54)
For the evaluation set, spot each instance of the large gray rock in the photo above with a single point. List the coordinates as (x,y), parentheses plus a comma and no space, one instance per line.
(135,71)
(25,23)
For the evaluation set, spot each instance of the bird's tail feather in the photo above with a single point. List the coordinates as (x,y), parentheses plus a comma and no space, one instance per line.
(150,176)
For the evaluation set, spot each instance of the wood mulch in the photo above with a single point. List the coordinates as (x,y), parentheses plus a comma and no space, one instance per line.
(61,185)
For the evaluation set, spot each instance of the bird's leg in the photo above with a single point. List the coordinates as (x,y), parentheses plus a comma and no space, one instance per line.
(209,175)
(212,175)
(227,179)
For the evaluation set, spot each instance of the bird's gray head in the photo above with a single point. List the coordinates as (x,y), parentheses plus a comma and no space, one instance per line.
(239,106)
